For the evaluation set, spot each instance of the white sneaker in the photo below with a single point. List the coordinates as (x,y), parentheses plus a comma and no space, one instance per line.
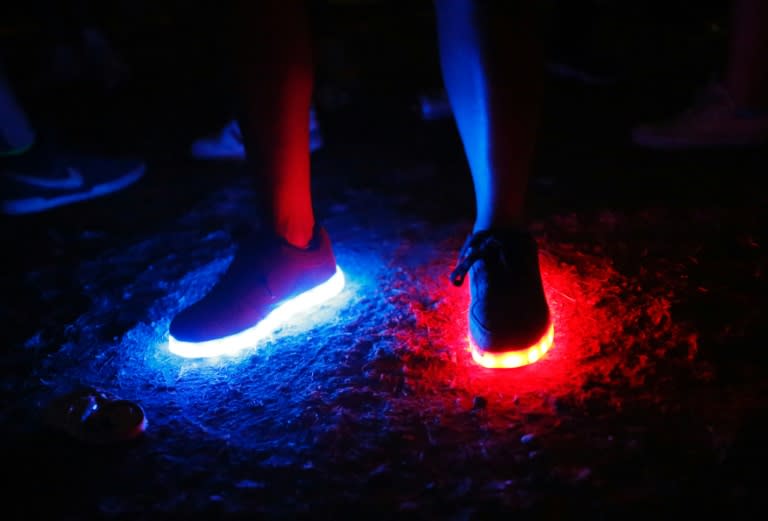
(713,121)
(227,144)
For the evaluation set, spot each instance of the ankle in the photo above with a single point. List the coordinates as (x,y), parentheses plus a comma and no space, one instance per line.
(297,234)
(505,223)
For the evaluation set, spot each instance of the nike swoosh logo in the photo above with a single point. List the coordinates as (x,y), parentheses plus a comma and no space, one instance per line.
(73,180)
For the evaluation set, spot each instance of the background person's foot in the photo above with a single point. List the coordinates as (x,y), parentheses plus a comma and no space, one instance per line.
(509,319)
(94,416)
(227,144)
(712,121)
(31,185)
(268,281)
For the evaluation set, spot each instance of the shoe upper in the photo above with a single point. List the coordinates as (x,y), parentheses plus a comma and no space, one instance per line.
(508,307)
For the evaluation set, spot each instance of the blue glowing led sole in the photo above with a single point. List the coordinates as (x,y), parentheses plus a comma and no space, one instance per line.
(233,344)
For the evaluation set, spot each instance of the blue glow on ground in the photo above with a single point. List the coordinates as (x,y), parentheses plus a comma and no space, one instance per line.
(234,344)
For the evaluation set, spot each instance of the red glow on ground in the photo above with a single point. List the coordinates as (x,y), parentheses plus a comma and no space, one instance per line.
(589,317)
(513,359)
(611,331)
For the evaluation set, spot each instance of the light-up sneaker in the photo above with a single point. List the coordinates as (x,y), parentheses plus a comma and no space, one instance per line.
(268,281)
(509,319)
(227,144)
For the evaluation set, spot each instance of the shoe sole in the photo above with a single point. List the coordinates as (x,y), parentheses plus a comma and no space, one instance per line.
(233,344)
(512,358)
(39,204)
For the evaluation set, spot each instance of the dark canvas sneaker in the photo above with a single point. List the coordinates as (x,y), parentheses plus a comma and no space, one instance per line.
(509,319)
(268,281)
(28,187)
(227,144)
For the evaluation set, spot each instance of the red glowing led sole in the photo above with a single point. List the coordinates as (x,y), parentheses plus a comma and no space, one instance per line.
(513,358)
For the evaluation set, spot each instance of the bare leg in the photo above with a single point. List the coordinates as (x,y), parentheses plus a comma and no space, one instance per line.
(747,70)
(277,73)
(492,71)
(267,274)
(491,66)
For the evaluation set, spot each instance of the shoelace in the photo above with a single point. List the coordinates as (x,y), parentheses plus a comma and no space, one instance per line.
(480,245)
